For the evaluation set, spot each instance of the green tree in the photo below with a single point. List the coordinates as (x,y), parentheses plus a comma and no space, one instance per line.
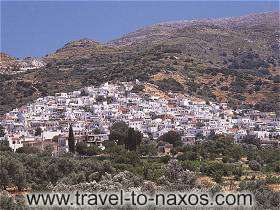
(71,140)
(133,139)
(12,173)
(4,181)
(48,150)
(109,146)
(28,150)
(109,100)
(123,156)
(164,159)
(147,149)
(252,139)
(58,168)
(2,131)
(81,148)
(100,98)
(118,132)
(4,146)
(97,131)
(172,137)
(254,165)
(93,150)
(217,176)
(199,135)
(237,172)
(122,134)
(222,146)
(7,201)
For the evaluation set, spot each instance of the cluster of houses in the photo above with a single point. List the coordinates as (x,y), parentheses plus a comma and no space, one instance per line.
(92,111)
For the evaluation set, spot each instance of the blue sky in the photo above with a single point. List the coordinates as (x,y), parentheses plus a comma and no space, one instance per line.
(30,28)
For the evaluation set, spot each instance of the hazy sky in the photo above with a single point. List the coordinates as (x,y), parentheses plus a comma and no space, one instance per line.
(30,28)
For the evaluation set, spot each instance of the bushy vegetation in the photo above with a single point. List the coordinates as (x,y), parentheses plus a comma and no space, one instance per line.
(247,60)
(122,134)
(120,166)
(170,84)
(172,137)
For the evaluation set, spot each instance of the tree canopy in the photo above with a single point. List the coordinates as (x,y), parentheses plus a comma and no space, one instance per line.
(172,137)
(71,140)
(122,134)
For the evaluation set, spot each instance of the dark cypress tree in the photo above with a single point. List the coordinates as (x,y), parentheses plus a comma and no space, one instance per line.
(71,140)
(133,139)
(2,133)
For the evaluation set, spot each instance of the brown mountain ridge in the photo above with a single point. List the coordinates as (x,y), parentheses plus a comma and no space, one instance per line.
(234,60)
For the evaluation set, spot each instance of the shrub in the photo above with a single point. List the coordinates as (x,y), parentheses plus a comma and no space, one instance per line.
(170,84)
(172,137)
(254,165)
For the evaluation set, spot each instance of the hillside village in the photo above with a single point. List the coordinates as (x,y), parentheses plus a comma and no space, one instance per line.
(180,106)
(11,66)
(92,110)
(233,59)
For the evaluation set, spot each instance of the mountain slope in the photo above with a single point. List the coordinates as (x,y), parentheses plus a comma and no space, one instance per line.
(11,65)
(234,60)
(7,62)
(167,30)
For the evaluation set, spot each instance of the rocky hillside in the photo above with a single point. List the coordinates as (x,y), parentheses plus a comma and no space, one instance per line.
(234,60)
(11,65)
(7,62)
(167,30)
